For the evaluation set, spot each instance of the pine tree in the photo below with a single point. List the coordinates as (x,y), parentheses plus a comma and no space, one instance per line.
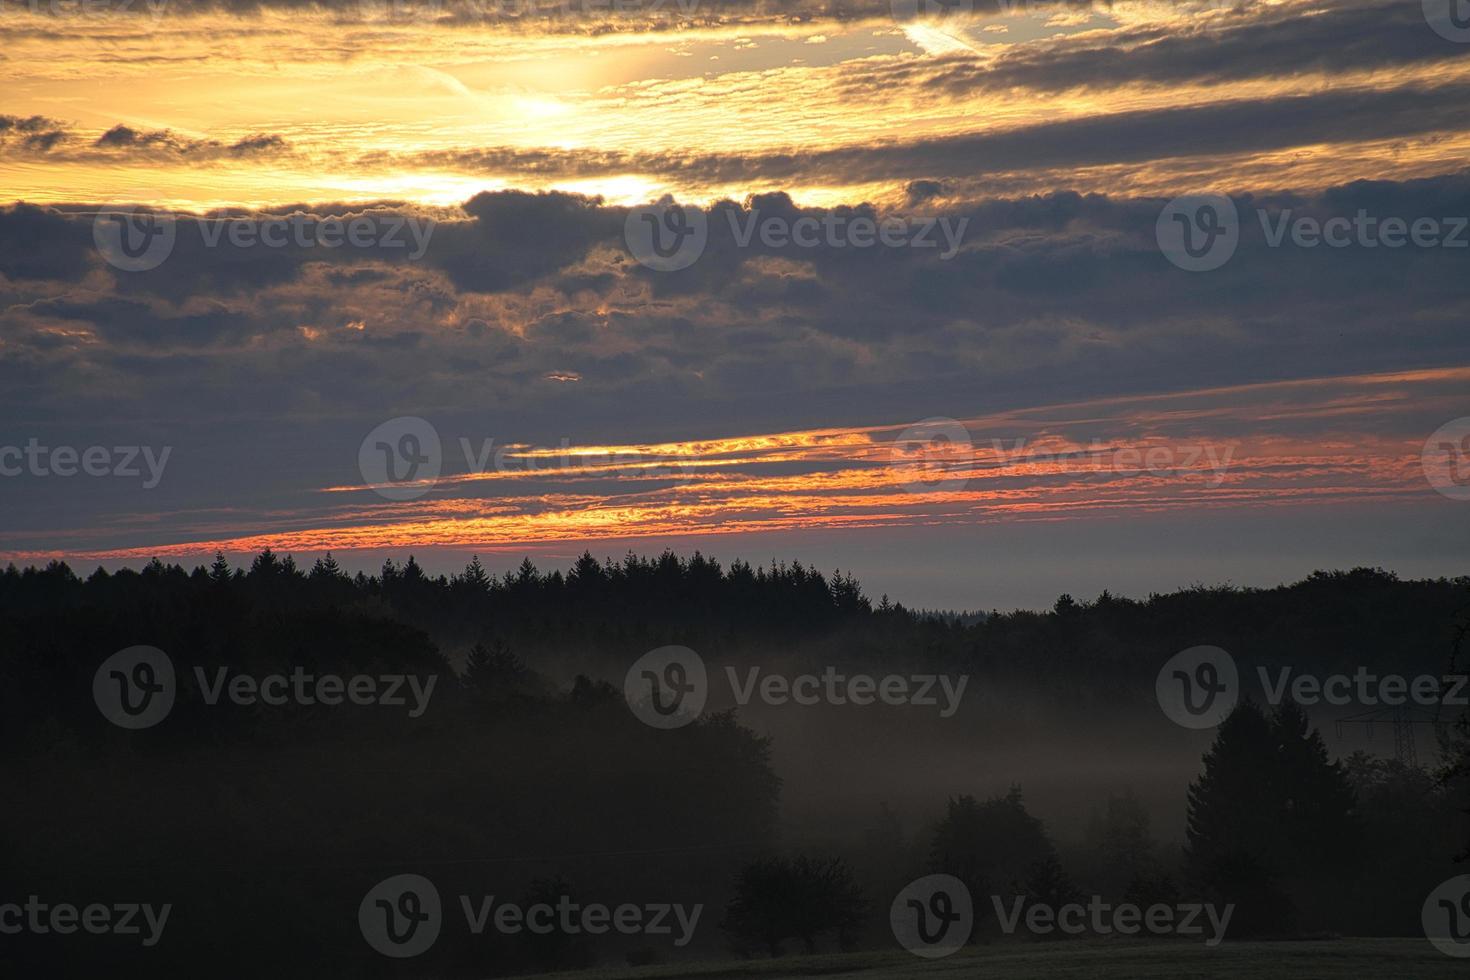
(265,565)
(586,573)
(1269,816)
(1049,885)
(525,575)
(494,671)
(326,568)
(475,576)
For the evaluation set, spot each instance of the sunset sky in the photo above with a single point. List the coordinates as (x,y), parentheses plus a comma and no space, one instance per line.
(767,399)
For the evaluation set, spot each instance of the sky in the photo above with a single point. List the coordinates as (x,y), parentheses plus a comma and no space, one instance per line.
(981,301)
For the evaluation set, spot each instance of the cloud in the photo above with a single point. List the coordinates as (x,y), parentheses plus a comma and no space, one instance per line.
(1334,38)
(282,358)
(56,143)
(1226,129)
(572,16)
(166,143)
(1220,450)
(35,134)
(43,243)
(1062,289)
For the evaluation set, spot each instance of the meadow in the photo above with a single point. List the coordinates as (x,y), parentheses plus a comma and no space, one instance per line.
(1333,959)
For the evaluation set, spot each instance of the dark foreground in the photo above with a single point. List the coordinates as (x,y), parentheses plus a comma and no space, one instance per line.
(1380,959)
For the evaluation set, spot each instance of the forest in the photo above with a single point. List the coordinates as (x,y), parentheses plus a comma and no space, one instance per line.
(524,774)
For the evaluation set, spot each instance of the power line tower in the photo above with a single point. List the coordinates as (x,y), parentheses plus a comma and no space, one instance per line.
(1403,718)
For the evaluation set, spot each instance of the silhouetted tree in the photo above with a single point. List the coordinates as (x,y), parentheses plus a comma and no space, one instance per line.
(475,575)
(326,568)
(1454,774)
(556,949)
(1048,884)
(1270,815)
(1410,829)
(1120,842)
(265,566)
(995,847)
(778,899)
(493,672)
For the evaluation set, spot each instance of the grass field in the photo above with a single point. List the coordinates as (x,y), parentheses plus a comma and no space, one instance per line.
(1358,959)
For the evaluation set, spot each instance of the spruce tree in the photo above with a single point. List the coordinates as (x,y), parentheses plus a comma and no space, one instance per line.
(1270,822)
